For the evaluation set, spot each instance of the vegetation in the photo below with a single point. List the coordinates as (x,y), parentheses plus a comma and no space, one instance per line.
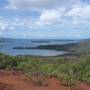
(83,46)
(69,70)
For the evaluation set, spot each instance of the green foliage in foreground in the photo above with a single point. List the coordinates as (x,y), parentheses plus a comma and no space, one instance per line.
(67,71)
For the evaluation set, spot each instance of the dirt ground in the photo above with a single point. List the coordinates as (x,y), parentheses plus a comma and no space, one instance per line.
(19,81)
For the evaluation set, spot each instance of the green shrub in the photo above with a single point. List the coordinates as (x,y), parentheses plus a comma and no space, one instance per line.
(86,77)
(12,63)
(29,66)
(67,79)
(2,64)
(66,75)
(48,69)
(66,71)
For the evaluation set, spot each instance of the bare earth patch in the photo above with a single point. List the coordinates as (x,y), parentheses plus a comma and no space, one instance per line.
(19,81)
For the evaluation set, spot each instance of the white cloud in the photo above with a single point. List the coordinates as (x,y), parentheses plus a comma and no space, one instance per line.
(79,15)
(50,17)
(16,22)
(55,15)
(3,26)
(39,4)
(82,12)
(54,12)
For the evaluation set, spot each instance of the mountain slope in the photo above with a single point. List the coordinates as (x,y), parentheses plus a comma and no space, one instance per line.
(83,46)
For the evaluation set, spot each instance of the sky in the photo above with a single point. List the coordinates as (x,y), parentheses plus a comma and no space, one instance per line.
(45,19)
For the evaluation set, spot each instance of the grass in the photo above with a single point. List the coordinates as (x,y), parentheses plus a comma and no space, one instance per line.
(69,70)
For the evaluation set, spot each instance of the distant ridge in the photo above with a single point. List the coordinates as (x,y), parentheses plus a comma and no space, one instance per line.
(83,46)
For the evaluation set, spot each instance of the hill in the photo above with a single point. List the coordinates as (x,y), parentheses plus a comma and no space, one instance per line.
(82,46)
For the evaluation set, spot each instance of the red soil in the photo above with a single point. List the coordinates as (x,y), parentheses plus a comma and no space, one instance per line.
(19,81)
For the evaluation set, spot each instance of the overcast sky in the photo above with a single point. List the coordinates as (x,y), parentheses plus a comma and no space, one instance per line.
(62,19)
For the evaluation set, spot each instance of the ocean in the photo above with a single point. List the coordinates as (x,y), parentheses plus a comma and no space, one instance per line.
(7,46)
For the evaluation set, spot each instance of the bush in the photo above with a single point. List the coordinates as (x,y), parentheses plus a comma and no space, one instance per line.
(48,69)
(2,64)
(12,63)
(67,79)
(66,75)
(29,66)
(67,72)
(86,77)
